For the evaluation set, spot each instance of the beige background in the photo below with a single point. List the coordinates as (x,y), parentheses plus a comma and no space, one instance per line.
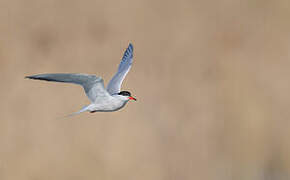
(211,78)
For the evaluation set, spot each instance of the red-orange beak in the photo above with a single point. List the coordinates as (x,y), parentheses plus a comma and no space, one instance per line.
(132,98)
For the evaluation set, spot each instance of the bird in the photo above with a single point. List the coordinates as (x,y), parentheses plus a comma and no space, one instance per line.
(102,99)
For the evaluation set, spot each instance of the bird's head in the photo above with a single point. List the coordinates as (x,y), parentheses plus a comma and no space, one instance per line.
(126,95)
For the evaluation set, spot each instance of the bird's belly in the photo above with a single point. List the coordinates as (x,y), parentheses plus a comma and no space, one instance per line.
(107,107)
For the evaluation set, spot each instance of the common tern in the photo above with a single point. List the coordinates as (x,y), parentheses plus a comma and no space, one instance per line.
(102,100)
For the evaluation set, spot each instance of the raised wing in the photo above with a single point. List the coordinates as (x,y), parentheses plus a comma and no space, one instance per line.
(93,86)
(114,85)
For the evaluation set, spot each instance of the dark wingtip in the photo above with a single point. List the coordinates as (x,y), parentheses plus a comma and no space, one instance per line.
(130,46)
(33,77)
(128,52)
(28,77)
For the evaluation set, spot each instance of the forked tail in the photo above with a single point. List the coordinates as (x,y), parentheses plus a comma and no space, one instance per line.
(84,109)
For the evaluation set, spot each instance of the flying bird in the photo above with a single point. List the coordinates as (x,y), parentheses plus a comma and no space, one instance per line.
(102,100)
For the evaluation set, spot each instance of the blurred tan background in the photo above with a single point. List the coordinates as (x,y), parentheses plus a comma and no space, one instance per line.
(211,79)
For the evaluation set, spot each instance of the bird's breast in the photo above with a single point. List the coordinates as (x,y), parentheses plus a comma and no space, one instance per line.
(111,105)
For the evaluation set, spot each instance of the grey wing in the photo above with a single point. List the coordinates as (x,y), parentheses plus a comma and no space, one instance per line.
(93,86)
(114,85)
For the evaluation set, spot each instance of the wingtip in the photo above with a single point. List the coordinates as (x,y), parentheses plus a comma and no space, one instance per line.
(29,77)
(128,52)
(130,46)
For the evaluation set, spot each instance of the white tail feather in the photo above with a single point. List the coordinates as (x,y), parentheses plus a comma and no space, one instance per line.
(84,109)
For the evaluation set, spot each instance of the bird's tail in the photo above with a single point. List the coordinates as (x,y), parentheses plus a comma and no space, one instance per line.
(84,109)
